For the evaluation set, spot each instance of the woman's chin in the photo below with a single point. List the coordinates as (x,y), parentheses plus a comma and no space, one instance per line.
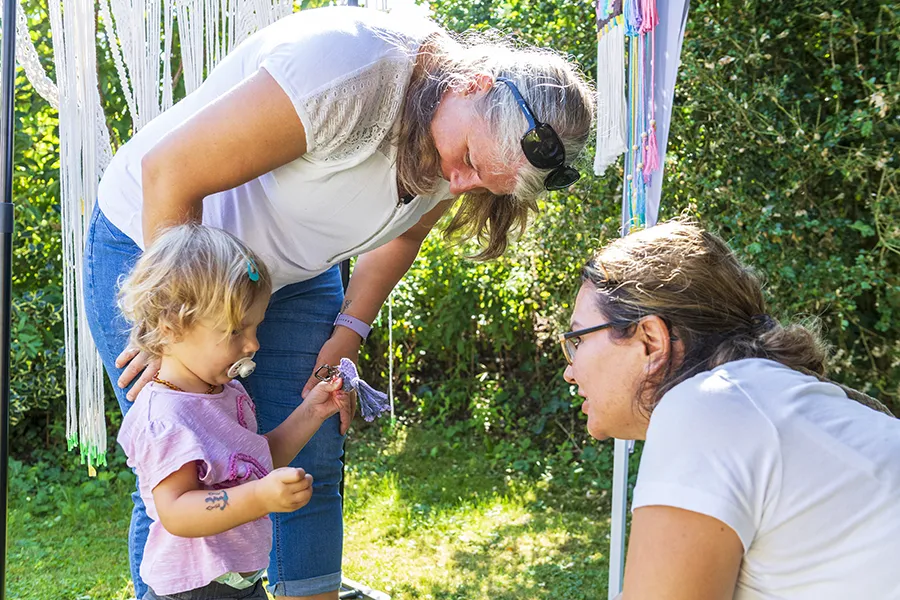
(596,432)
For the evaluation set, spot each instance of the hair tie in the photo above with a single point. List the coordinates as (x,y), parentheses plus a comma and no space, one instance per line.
(760,324)
(252,270)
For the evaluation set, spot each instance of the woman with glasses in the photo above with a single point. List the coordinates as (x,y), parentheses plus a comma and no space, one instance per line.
(759,479)
(335,132)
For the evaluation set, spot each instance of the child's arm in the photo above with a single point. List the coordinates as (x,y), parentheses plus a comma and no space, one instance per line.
(324,400)
(187,510)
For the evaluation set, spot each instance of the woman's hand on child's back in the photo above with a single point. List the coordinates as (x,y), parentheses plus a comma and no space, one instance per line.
(285,489)
(136,362)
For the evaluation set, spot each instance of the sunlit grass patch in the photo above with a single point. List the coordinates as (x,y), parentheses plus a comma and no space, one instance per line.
(428,514)
(422,523)
(80,556)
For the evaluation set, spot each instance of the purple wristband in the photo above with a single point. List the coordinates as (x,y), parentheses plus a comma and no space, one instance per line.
(357,325)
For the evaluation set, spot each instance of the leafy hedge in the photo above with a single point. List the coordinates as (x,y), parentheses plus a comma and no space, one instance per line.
(783,140)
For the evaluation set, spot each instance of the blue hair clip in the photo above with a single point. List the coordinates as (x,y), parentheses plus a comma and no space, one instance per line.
(252,271)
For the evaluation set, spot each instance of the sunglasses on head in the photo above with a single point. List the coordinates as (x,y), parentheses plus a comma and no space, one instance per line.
(542,147)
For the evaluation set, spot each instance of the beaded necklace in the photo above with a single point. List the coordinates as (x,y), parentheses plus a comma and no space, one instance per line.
(172,386)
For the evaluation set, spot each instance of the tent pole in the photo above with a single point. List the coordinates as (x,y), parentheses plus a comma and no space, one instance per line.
(618,514)
(7,129)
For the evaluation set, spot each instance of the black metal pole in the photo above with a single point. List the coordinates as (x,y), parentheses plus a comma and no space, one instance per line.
(7,129)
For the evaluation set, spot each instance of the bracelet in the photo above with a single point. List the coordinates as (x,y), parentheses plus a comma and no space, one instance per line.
(354,324)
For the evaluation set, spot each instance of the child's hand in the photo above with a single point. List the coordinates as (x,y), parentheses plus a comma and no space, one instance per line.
(327,398)
(285,489)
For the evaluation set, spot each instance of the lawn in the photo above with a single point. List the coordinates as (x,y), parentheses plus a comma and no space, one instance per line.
(427,516)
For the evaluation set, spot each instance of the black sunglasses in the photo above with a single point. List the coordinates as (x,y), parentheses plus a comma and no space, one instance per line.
(542,147)
(570,340)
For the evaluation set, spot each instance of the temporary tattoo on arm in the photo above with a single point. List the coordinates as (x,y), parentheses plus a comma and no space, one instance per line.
(217,499)
(346,304)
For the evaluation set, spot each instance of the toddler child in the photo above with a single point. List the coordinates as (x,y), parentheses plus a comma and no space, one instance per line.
(195,299)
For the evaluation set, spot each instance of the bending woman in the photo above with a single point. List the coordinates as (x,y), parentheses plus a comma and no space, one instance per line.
(758,480)
(333,132)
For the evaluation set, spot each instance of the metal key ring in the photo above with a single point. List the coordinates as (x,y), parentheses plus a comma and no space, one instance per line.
(326,373)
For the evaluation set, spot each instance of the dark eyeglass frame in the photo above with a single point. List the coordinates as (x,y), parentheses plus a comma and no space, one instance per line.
(542,146)
(565,338)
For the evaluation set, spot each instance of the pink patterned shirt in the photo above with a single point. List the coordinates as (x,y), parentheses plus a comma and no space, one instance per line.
(163,431)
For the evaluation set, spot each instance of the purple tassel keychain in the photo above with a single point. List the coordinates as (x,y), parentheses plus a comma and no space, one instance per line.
(372,403)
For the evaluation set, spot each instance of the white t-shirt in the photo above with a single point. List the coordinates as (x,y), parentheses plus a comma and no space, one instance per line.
(807,478)
(346,71)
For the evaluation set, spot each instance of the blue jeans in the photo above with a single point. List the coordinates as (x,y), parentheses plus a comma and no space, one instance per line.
(308,543)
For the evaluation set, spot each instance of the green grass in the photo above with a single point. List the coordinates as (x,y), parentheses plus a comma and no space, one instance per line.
(428,515)
(77,552)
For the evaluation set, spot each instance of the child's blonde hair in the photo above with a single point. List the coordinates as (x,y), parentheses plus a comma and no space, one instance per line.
(191,272)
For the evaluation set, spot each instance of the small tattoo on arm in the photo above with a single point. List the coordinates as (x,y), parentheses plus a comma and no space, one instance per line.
(346,305)
(218,499)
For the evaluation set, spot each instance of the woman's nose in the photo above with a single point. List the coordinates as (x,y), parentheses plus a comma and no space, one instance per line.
(568,375)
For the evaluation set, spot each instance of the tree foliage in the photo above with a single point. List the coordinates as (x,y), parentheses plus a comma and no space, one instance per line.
(783,140)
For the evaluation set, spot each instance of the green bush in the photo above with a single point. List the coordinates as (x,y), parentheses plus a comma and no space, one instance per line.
(782,141)
(37,359)
(785,140)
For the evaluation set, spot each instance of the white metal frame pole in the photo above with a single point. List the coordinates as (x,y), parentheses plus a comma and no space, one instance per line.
(673,16)
(618,516)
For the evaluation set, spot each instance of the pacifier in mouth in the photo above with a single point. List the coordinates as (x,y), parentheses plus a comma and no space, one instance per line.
(242,368)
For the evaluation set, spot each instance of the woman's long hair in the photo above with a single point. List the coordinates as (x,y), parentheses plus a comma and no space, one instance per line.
(554,89)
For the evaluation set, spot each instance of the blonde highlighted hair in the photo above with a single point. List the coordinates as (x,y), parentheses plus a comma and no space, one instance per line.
(556,91)
(191,272)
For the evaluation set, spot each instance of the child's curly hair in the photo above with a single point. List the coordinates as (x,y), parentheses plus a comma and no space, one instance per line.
(191,272)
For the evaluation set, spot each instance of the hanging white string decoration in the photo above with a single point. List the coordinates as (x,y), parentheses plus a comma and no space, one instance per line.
(75,60)
(209,29)
(140,36)
(391,355)
(27,57)
(610,93)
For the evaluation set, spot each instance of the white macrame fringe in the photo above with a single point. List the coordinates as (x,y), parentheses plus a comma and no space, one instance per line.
(610,94)
(208,30)
(75,61)
(27,57)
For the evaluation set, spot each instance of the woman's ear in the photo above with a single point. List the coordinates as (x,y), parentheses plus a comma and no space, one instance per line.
(481,82)
(655,336)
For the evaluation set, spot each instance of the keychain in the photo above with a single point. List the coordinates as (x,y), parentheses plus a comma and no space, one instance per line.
(372,403)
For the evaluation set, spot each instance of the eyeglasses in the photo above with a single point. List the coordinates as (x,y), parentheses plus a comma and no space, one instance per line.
(542,146)
(571,340)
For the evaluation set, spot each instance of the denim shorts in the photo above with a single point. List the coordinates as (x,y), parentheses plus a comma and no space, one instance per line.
(308,543)
(214,591)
